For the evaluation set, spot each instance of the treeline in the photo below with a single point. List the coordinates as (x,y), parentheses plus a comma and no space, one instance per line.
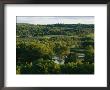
(30,30)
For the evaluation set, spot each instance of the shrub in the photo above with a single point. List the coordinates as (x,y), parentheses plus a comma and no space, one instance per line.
(45,67)
(50,67)
(25,69)
(77,68)
(18,70)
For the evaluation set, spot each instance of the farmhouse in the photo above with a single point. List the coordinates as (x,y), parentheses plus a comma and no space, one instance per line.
(58,60)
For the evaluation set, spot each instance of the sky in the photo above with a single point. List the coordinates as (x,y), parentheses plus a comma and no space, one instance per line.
(55,19)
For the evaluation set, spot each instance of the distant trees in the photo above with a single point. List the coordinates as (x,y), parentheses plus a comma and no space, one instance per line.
(27,30)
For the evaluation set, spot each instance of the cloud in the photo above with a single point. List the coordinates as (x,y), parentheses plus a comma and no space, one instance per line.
(55,19)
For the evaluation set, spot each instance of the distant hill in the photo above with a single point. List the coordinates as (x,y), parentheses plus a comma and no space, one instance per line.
(27,30)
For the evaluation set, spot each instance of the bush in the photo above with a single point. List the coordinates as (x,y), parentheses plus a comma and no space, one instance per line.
(45,67)
(72,57)
(31,51)
(38,67)
(50,67)
(77,68)
(27,52)
(18,70)
(84,68)
(25,68)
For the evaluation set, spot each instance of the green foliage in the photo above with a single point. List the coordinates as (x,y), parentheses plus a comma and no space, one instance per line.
(49,67)
(40,67)
(30,30)
(27,52)
(18,70)
(77,68)
(72,57)
(37,44)
(25,69)
(45,67)
(89,54)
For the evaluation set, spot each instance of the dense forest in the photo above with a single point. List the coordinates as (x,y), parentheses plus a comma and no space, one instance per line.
(54,48)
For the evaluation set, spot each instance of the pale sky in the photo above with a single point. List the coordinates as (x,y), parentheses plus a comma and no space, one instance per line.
(56,19)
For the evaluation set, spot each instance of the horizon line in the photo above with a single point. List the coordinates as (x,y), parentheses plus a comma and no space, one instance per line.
(53,23)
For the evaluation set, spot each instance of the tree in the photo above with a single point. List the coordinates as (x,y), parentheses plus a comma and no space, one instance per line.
(89,54)
(60,50)
(72,57)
